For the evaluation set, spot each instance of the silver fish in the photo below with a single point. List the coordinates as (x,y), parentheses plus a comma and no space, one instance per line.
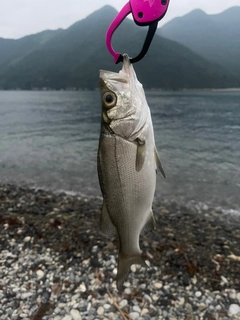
(127,164)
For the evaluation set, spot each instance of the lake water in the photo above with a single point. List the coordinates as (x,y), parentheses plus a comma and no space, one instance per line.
(50,139)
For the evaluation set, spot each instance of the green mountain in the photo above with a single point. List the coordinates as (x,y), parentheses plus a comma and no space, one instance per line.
(72,58)
(215,37)
(12,51)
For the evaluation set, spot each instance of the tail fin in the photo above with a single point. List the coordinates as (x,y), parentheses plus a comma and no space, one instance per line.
(124,264)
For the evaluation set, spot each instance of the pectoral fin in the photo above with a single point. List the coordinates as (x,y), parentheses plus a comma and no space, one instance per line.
(106,225)
(158,163)
(141,153)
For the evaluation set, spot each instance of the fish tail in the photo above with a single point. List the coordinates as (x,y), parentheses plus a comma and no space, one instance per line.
(124,264)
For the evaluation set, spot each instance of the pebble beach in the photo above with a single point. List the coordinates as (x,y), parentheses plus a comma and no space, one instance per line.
(55,265)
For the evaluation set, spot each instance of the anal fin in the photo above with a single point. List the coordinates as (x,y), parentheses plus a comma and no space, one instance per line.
(106,226)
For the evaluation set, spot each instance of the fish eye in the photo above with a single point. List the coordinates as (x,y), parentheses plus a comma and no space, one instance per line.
(109,99)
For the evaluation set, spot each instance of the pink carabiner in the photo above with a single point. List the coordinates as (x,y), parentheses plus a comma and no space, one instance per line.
(116,22)
(145,12)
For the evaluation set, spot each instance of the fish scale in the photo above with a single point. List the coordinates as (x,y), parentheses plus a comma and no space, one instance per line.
(127,163)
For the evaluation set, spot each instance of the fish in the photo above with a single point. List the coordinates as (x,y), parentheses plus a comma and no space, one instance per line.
(127,164)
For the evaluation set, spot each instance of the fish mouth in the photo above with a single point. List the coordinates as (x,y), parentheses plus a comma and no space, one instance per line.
(126,75)
(106,75)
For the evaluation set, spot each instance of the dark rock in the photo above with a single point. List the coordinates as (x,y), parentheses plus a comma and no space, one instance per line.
(186,280)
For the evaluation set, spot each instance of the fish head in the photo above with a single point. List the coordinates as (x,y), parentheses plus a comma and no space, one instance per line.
(124,105)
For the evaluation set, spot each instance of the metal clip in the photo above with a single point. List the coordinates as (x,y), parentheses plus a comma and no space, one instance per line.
(145,13)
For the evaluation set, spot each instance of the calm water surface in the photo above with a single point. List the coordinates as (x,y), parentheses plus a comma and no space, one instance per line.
(50,139)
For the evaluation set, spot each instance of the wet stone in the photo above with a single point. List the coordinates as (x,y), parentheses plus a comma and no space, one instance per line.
(198,294)
(123,303)
(136,309)
(134,315)
(234,309)
(127,290)
(75,314)
(100,311)
(40,274)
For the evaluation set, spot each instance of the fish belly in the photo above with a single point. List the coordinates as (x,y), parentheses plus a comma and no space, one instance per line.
(127,194)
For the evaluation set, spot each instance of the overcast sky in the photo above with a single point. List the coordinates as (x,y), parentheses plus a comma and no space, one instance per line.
(23,17)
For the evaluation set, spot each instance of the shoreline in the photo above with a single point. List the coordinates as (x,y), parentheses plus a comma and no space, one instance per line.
(50,243)
(227,89)
(196,206)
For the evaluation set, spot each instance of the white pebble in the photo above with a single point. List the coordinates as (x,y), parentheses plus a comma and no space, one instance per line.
(202,307)
(238,297)
(133,268)
(100,311)
(123,303)
(75,296)
(148,298)
(136,309)
(181,301)
(198,294)
(67,317)
(56,310)
(144,311)
(234,309)
(26,239)
(134,315)
(205,207)
(82,287)
(225,280)
(155,297)
(127,291)
(94,248)
(142,286)
(40,274)
(158,285)
(75,314)
(209,300)
(26,295)
(232,295)
(218,307)
(89,306)
(106,306)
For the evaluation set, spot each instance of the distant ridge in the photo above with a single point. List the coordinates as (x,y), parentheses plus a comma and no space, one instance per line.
(215,37)
(71,58)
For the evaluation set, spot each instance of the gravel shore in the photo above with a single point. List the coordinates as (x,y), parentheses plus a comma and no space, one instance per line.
(54,264)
